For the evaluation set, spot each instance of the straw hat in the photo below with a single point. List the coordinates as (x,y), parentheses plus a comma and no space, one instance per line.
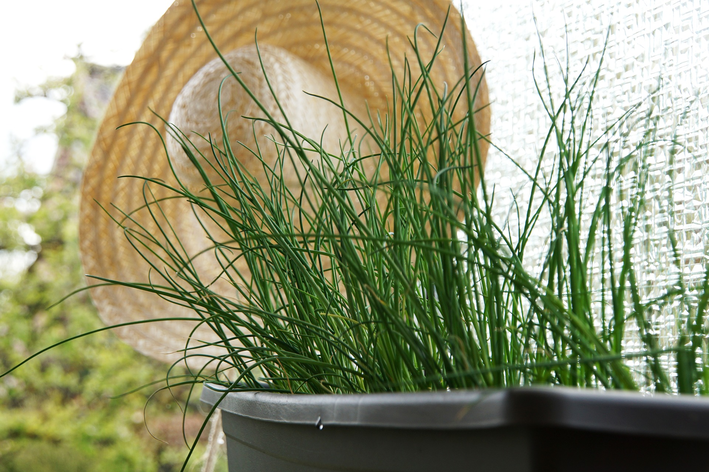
(176,74)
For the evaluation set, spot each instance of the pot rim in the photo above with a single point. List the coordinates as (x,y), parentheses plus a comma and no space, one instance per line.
(552,407)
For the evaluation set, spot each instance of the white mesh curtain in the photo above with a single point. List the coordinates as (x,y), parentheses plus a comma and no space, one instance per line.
(651,44)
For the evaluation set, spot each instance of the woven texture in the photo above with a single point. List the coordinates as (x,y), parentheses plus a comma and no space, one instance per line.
(174,51)
(650,42)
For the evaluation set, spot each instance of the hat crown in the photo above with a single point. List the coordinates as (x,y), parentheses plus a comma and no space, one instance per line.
(288,88)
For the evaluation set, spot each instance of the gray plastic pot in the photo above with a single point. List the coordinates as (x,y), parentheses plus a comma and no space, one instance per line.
(520,430)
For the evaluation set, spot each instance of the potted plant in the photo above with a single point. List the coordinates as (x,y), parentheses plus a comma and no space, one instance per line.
(358,259)
(449,309)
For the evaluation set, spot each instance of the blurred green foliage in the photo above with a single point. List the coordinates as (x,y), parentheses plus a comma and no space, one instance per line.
(58,412)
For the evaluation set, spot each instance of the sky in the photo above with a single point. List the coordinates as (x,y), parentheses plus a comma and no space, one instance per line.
(38,37)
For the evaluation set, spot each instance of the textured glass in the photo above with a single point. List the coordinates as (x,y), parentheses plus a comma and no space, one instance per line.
(657,57)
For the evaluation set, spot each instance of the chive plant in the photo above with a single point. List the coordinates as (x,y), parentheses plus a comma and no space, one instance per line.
(404,279)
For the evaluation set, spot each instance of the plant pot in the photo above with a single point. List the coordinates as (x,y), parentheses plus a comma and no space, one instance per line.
(523,429)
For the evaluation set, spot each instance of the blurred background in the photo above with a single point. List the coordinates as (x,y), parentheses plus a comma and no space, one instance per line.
(41,37)
(65,411)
